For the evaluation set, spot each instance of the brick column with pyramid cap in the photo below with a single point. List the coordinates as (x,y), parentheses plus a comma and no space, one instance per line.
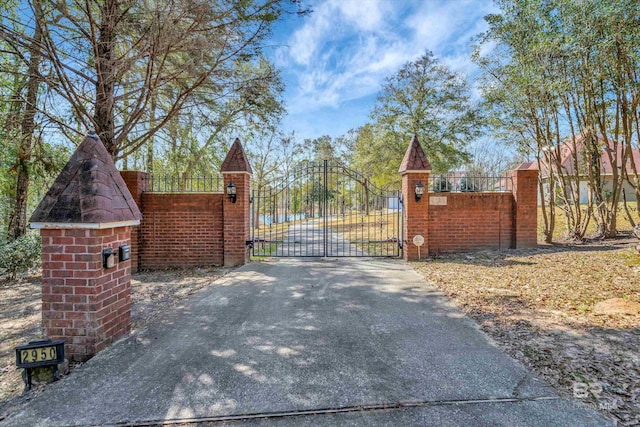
(415,168)
(237,170)
(88,209)
(525,194)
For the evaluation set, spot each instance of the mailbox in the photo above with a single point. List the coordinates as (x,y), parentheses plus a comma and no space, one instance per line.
(108,258)
(124,253)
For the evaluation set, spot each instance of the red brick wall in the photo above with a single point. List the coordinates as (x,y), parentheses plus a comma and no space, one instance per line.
(137,183)
(82,303)
(470,221)
(457,222)
(180,230)
(525,193)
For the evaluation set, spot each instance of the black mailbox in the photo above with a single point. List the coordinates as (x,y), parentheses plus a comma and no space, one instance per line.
(124,253)
(108,258)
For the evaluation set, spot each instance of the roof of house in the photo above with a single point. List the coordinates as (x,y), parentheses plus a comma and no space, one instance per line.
(527,166)
(88,190)
(568,163)
(414,158)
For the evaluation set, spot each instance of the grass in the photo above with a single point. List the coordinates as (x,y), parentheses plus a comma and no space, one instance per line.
(631,259)
(263,231)
(561,281)
(560,231)
(540,306)
(264,250)
(360,229)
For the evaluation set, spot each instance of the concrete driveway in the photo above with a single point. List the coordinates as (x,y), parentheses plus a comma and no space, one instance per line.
(308,342)
(308,239)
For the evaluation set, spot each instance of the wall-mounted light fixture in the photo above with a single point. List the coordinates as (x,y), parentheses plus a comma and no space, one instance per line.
(231,192)
(419,191)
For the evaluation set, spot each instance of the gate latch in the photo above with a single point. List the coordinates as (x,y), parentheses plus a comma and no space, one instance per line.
(249,243)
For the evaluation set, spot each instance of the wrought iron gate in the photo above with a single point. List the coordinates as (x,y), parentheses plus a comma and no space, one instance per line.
(325,209)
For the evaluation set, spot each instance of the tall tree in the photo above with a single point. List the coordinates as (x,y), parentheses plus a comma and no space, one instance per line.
(425,98)
(182,55)
(564,76)
(272,156)
(519,93)
(21,119)
(131,69)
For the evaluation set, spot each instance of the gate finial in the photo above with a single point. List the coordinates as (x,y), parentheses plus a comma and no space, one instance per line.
(415,159)
(236,160)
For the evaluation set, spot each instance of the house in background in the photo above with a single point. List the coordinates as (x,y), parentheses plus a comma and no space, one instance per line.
(569,167)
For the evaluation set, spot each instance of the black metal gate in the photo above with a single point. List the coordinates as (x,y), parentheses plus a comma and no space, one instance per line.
(325,209)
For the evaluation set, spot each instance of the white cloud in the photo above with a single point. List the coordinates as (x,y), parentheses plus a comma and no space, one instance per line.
(390,60)
(345,49)
(432,26)
(356,74)
(365,15)
(332,19)
(305,42)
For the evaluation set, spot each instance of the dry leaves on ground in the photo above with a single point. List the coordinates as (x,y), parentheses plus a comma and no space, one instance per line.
(152,293)
(538,305)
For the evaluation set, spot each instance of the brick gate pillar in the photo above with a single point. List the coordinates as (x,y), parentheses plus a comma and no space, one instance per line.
(525,195)
(236,170)
(87,213)
(137,183)
(415,168)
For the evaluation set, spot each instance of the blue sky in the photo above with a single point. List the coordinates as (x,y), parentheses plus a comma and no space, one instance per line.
(334,60)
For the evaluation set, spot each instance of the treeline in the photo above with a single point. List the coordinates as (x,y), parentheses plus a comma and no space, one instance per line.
(163,83)
(561,81)
(424,98)
(559,85)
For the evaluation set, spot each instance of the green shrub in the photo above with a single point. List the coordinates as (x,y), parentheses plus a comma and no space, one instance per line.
(21,255)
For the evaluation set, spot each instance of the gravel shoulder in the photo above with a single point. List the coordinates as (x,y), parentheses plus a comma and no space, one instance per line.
(557,309)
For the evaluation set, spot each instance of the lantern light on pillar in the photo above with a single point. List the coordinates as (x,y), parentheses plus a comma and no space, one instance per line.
(231,192)
(419,191)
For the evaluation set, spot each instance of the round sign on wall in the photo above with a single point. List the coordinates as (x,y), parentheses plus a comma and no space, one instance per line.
(418,240)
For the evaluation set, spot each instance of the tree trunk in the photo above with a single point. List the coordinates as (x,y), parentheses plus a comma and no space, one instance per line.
(150,143)
(549,216)
(105,83)
(18,221)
